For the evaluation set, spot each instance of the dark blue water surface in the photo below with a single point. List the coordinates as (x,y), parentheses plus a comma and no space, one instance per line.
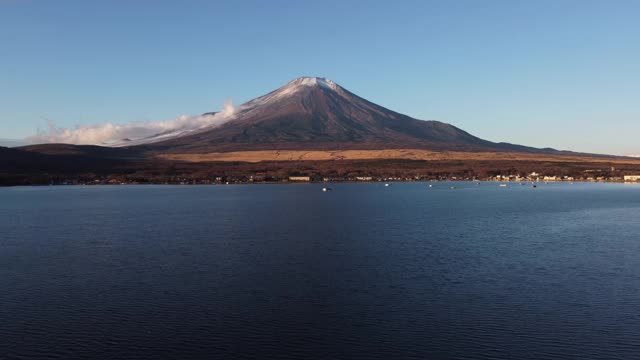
(291,272)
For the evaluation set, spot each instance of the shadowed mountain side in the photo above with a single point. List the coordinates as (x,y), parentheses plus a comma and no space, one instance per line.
(19,161)
(88,151)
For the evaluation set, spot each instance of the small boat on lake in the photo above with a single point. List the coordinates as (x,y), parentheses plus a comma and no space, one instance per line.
(325,189)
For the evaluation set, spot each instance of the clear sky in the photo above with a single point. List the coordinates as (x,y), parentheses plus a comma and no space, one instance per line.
(558,73)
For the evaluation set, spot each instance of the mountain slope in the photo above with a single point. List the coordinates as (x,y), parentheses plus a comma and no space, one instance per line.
(318,114)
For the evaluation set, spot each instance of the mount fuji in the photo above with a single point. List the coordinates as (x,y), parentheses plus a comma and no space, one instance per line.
(313,113)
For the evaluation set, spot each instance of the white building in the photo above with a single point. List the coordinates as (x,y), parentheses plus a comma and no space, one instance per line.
(299,178)
(632,178)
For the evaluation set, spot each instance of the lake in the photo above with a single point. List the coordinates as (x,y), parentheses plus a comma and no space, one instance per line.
(291,272)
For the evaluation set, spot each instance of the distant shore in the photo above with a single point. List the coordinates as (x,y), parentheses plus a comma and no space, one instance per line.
(317,182)
(109,166)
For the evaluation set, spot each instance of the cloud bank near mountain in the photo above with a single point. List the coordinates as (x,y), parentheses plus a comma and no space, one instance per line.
(111,133)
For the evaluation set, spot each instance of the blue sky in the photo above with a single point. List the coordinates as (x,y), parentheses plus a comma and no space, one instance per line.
(563,74)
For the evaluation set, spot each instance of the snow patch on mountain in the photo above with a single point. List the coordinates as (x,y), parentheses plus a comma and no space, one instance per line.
(315,81)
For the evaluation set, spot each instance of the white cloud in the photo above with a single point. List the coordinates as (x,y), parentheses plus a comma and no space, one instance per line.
(111,133)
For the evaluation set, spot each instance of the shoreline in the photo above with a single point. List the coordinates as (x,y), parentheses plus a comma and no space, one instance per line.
(521,183)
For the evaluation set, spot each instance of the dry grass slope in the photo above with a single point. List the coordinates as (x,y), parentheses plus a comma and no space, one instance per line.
(406,154)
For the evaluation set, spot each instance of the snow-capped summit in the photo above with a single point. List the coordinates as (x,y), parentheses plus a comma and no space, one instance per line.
(296,87)
(314,81)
